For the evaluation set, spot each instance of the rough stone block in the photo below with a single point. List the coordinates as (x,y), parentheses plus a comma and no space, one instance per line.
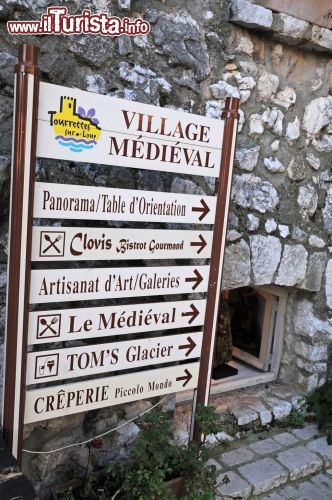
(327,217)
(124,45)
(248,14)
(273,496)
(267,85)
(221,90)
(307,200)
(316,242)
(280,408)
(236,488)
(237,265)
(270,227)
(300,462)
(325,450)
(273,165)
(256,125)
(293,130)
(307,432)
(265,257)
(316,115)
(264,475)
(124,4)
(215,464)
(290,27)
(323,482)
(265,446)
(325,144)
(247,158)
(285,439)
(298,234)
(178,37)
(249,191)
(310,352)
(283,493)
(305,323)
(293,266)
(273,118)
(252,222)
(244,416)
(237,456)
(296,171)
(322,37)
(328,284)
(283,230)
(313,161)
(315,271)
(310,490)
(233,235)
(308,382)
(265,415)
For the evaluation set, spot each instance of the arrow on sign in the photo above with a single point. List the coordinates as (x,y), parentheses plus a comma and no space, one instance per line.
(204,209)
(193,313)
(186,377)
(198,279)
(201,244)
(191,346)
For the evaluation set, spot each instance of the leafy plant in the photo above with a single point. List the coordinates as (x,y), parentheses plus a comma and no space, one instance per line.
(320,401)
(298,414)
(207,419)
(156,460)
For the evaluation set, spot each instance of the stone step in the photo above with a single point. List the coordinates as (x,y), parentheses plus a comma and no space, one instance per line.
(248,409)
(256,466)
(262,455)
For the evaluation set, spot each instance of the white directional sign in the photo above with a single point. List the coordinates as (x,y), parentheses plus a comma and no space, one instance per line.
(71,324)
(57,401)
(63,201)
(62,285)
(83,361)
(82,126)
(69,124)
(73,243)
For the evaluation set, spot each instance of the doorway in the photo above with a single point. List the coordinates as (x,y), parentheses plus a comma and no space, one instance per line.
(256,323)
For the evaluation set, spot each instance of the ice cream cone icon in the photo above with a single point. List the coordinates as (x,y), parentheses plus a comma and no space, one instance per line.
(50,363)
(47,365)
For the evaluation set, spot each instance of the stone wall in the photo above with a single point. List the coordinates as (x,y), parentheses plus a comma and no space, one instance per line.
(280,225)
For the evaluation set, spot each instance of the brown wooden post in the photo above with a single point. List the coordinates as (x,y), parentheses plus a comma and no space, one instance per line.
(18,284)
(201,395)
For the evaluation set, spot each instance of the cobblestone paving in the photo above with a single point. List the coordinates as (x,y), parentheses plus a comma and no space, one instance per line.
(292,464)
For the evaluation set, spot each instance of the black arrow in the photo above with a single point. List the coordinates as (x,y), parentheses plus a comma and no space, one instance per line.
(202,243)
(193,313)
(204,209)
(186,377)
(191,346)
(198,279)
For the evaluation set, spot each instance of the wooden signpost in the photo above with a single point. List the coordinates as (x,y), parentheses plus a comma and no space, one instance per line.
(141,298)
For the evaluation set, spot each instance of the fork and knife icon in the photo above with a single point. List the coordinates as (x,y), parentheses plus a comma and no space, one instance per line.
(48,326)
(52,244)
